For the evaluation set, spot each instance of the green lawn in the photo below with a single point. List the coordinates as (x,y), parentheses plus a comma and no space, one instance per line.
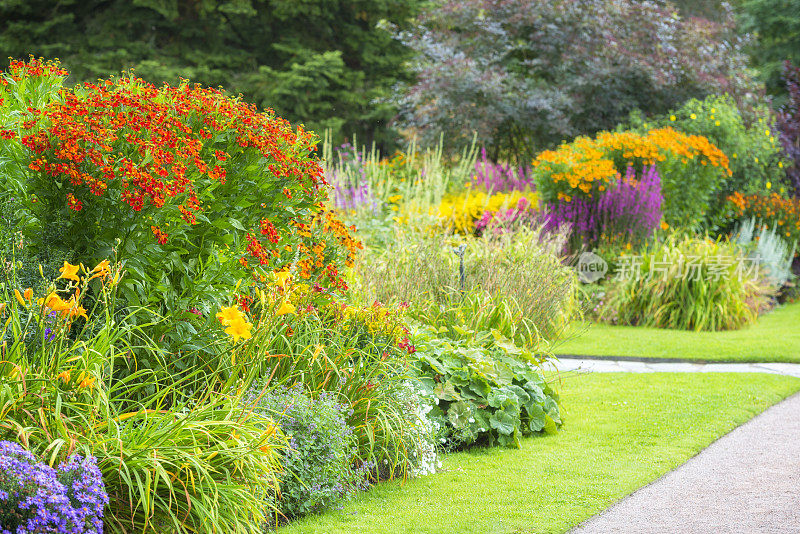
(775,337)
(623,431)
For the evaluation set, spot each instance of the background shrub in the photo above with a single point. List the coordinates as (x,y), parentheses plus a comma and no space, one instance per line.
(754,153)
(789,125)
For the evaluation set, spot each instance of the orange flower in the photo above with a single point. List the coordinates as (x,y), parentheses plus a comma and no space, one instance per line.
(69,272)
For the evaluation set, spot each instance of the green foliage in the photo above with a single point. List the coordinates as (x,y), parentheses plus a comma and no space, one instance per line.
(188,458)
(321,62)
(686,283)
(776,25)
(484,395)
(319,463)
(754,154)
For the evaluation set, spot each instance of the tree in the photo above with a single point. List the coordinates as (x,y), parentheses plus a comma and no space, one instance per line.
(324,63)
(776,26)
(527,74)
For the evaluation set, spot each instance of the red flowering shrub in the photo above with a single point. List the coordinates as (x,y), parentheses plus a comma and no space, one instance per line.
(191,188)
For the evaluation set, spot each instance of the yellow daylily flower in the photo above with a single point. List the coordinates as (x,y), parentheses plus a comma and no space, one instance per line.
(282,277)
(69,271)
(286,308)
(230,315)
(19,298)
(239,330)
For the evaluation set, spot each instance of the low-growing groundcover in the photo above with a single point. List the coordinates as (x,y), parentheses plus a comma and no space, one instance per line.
(772,338)
(623,431)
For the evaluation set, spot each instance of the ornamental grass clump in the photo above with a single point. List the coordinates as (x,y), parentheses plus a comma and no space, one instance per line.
(686,283)
(37,499)
(514,283)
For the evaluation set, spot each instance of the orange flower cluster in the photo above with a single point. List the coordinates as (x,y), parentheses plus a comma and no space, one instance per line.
(34,67)
(586,165)
(183,155)
(772,210)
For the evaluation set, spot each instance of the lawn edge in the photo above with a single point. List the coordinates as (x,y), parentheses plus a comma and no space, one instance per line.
(655,480)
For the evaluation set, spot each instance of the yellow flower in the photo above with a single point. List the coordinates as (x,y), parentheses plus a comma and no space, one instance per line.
(672,118)
(692,116)
(86,381)
(64,376)
(282,277)
(769,185)
(230,315)
(69,271)
(716,123)
(239,330)
(101,270)
(3,306)
(286,308)
(756,159)
(780,164)
(19,298)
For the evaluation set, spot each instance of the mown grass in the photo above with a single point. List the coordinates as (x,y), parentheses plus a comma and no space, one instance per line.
(775,337)
(622,431)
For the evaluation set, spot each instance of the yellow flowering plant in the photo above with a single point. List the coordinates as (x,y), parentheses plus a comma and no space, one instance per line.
(755,158)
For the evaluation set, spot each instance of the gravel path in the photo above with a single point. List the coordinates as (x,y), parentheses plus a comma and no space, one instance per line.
(746,482)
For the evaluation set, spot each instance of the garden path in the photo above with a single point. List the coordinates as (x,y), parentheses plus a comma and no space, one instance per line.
(607,365)
(747,481)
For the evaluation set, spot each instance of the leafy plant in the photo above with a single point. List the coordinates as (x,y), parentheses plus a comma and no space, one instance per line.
(768,250)
(483,395)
